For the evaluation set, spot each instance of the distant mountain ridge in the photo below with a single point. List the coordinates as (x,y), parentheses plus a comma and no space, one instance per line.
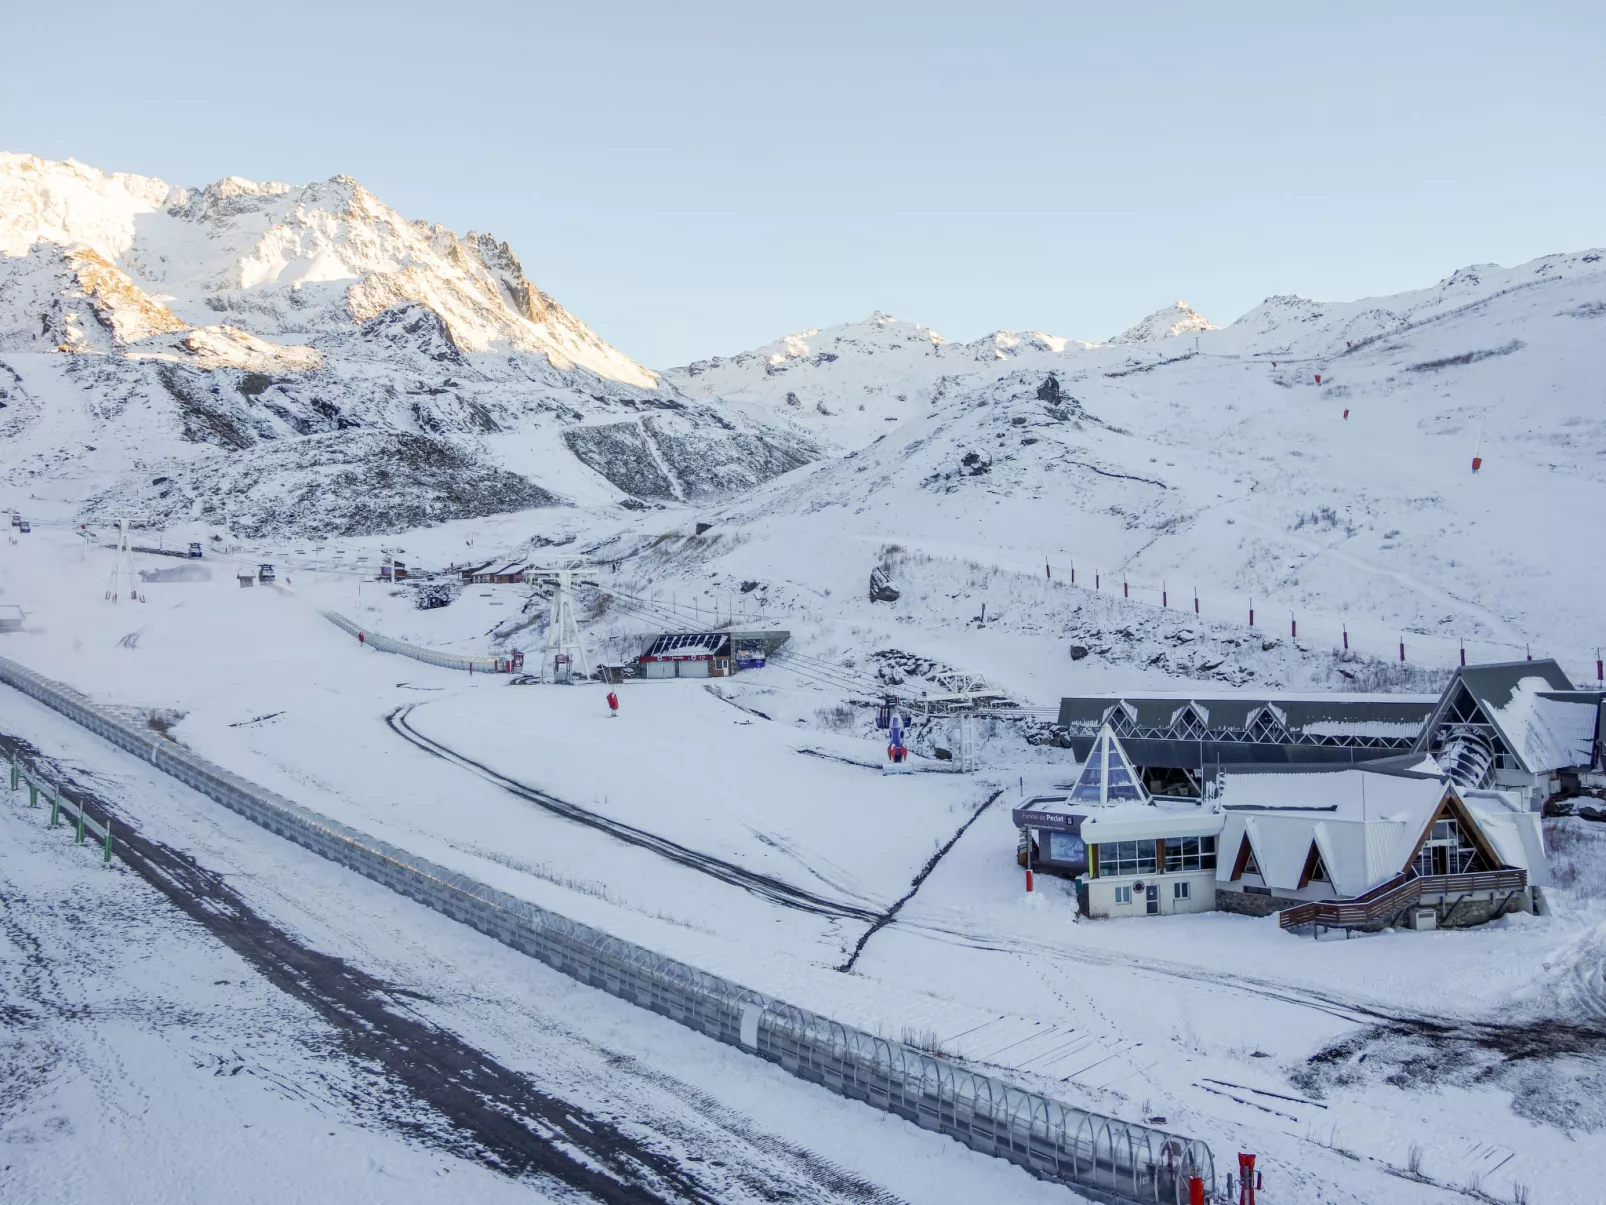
(190,320)
(853,382)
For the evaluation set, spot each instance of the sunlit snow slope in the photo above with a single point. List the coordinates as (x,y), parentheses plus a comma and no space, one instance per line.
(1232,469)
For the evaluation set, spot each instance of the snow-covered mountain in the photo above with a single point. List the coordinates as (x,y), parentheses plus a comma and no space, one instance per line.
(851,382)
(1311,459)
(146,329)
(1167,323)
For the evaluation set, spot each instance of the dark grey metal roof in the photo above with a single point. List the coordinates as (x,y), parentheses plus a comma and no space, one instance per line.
(1234,712)
(1493,685)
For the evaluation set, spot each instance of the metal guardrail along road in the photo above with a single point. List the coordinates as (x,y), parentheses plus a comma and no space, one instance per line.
(483,665)
(1102,1157)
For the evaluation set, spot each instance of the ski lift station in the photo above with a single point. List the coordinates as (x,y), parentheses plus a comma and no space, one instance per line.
(707,654)
(1352,813)
(1324,846)
(1517,725)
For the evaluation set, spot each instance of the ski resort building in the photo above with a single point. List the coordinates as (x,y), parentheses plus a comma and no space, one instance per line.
(708,654)
(497,575)
(1515,725)
(1367,847)
(687,655)
(1354,847)
(1131,853)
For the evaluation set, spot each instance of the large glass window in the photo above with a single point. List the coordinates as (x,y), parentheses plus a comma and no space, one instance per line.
(1067,847)
(1087,786)
(1190,853)
(1121,785)
(1126,857)
(1447,850)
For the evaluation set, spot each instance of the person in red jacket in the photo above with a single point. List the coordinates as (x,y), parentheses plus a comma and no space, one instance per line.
(613,705)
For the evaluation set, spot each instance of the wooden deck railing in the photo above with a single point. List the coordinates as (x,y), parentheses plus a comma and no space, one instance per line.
(1390,898)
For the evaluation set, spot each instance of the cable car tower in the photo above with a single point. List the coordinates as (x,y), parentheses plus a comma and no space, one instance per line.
(564,645)
(123,581)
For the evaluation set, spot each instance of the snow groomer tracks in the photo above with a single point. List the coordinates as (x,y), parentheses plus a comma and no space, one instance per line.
(773,889)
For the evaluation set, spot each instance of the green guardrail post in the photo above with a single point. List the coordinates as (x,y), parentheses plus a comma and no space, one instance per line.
(33,794)
(108,856)
(14,773)
(80,839)
(55,811)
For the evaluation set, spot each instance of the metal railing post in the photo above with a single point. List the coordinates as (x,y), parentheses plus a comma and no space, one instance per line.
(33,794)
(80,838)
(14,772)
(108,856)
(55,811)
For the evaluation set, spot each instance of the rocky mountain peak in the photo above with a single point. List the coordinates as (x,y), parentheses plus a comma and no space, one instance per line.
(1167,323)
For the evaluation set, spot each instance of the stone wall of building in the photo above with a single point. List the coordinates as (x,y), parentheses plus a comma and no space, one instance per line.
(1246,903)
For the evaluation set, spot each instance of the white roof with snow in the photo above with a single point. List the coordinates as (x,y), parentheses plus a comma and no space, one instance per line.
(1547,734)
(1366,825)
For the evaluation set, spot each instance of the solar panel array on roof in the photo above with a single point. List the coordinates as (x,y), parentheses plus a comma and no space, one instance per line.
(689,644)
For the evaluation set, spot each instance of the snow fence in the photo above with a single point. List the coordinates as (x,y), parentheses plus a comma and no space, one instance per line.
(1103,1158)
(482,665)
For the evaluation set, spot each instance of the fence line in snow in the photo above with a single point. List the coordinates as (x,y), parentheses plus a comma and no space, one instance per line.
(1130,591)
(1102,1157)
(483,665)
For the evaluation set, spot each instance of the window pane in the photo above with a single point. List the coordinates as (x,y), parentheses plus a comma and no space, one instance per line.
(1087,786)
(1066,847)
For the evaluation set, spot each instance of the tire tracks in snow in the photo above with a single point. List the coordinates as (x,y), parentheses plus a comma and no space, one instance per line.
(768,887)
(437,1089)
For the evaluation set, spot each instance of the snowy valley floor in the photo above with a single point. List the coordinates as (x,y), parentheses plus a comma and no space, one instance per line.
(165,1046)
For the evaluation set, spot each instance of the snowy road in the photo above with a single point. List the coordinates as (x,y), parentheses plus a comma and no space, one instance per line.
(224,1003)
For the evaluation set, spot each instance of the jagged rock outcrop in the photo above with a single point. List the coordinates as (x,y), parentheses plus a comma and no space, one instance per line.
(345,484)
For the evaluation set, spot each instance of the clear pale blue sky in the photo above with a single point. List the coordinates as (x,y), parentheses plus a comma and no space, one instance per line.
(697,179)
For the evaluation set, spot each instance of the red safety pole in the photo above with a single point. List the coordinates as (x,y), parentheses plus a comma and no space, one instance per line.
(1095,579)
(1165,599)
(1047,572)
(1195,1191)
(1599,667)
(1246,1179)
(1124,592)
(1196,600)
(1346,637)
(1293,627)
(1028,879)
(1073,573)
(1402,650)
(1251,612)
(1463,652)
(1318,378)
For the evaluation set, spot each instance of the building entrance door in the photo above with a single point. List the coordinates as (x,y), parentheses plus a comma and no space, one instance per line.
(1151,897)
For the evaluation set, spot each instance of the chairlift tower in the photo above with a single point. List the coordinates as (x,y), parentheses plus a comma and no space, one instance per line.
(965,737)
(563,637)
(123,579)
